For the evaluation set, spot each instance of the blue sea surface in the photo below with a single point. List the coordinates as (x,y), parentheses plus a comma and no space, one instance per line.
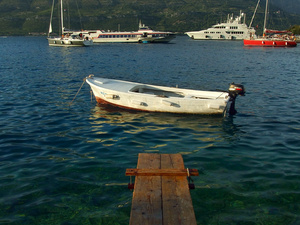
(63,163)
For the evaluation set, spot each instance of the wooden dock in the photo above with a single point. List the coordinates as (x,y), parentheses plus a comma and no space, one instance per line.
(161,191)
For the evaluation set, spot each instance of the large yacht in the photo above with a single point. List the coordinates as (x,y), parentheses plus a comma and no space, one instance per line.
(143,35)
(232,29)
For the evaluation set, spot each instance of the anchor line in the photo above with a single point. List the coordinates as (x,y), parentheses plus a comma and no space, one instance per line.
(77,92)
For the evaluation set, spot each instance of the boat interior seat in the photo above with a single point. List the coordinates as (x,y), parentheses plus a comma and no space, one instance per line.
(149,93)
(137,89)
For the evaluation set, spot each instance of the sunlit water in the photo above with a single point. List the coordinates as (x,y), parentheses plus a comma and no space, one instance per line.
(62,164)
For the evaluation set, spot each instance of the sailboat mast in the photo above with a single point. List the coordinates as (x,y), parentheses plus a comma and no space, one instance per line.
(254,14)
(51,17)
(266,13)
(62,17)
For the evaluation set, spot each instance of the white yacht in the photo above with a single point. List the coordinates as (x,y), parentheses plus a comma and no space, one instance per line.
(232,29)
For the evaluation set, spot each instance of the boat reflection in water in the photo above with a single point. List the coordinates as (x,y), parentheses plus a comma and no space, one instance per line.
(159,131)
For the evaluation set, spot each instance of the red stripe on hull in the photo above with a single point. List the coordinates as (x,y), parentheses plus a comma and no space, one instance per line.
(270,43)
(104,102)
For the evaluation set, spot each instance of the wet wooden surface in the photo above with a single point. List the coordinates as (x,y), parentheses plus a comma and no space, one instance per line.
(161,194)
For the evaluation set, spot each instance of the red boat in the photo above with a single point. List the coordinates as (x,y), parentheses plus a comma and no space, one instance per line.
(271,38)
(270,42)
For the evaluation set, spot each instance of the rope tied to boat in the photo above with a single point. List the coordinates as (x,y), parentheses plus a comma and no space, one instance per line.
(84,80)
(77,92)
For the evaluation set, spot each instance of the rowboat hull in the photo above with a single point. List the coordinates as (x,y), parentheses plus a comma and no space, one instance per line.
(152,98)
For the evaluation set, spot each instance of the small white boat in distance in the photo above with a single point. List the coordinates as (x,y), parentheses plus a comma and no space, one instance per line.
(152,98)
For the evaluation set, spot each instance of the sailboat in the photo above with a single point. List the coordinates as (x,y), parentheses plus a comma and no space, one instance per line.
(66,39)
(271,38)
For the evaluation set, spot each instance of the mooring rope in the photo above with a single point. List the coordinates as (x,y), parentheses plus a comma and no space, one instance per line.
(77,92)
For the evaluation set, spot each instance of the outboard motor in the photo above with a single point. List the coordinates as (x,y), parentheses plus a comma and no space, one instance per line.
(235,90)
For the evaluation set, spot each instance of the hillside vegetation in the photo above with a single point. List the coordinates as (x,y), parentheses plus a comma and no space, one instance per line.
(20,17)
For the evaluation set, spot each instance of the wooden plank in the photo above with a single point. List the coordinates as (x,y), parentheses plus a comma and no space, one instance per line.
(161,200)
(177,202)
(161,172)
(146,202)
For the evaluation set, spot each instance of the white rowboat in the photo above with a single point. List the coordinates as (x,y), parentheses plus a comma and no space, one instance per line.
(153,98)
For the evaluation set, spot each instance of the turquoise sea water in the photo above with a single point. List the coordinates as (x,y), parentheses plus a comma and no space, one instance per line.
(66,165)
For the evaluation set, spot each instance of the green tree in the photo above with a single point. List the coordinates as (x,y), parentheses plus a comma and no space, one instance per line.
(295,29)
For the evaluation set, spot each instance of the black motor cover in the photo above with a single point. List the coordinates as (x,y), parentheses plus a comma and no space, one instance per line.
(235,90)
